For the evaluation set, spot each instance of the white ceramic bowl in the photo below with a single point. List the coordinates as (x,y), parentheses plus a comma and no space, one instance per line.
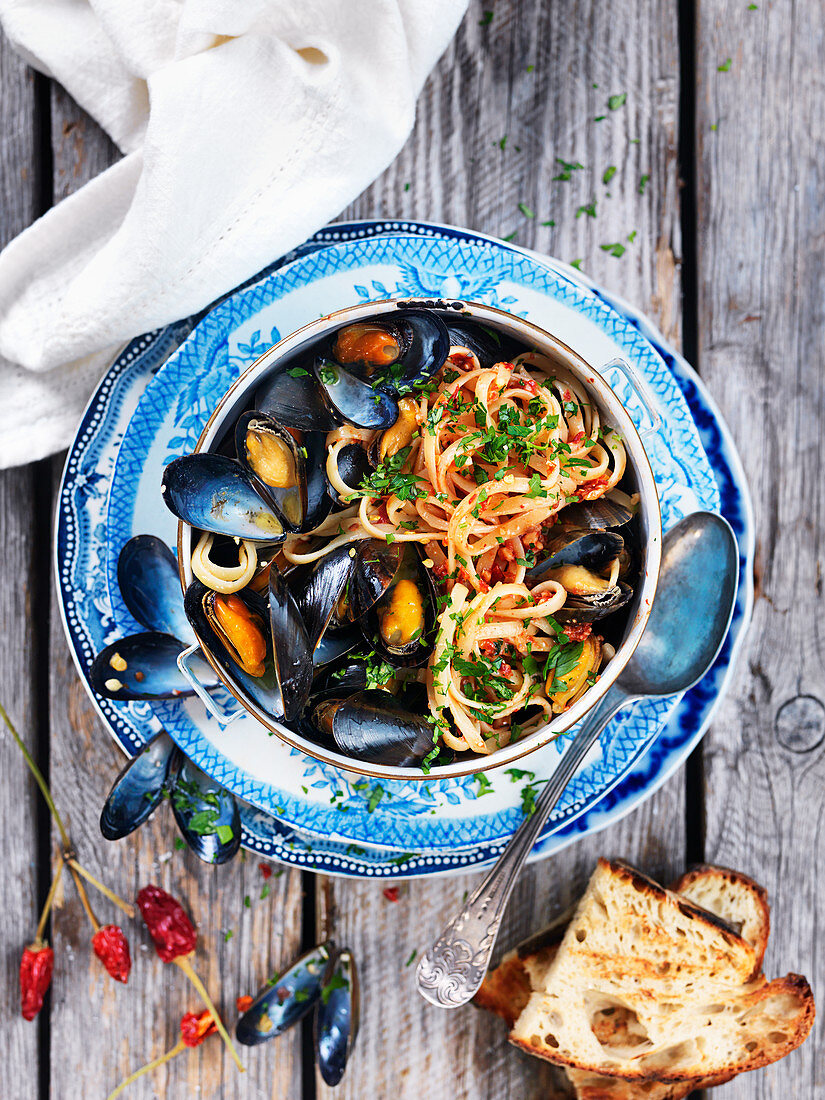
(240,397)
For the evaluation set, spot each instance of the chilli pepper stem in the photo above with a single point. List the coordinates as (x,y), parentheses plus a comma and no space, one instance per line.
(128,909)
(183,962)
(84,897)
(47,905)
(38,775)
(176,1049)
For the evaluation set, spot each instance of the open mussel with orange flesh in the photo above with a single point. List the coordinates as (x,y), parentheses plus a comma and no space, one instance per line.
(217,494)
(564,688)
(374,726)
(234,629)
(287,999)
(272,456)
(394,352)
(587,563)
(393,598)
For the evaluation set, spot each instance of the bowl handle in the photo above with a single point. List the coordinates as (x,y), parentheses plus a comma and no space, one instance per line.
(223,717)
(642,391)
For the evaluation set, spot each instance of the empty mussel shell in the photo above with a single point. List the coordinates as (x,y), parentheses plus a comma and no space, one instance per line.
(320,501)
(374,726)
(291,647)
(286,1000)
(488,346)
(354,464)
(272,456)
(336,1020)
(147,576)
(317,588)
(206,813)
(375,565)
(217,494)
(596,514)
(353,400)
(238,639)
(290,394)
(144,666)
(138,790)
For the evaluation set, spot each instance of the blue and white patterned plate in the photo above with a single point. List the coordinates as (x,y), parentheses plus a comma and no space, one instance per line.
(170,417)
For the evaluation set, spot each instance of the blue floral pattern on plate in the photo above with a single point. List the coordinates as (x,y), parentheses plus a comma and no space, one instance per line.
(109,407)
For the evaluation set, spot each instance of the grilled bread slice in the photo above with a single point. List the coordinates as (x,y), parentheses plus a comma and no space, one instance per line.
(734,898)
(646,986)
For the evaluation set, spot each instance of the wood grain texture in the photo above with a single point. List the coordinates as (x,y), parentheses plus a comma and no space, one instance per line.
(480,91)
(123,1027)
(761,339)
(19,900)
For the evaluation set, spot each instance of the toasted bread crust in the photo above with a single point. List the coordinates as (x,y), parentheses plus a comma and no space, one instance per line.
(505,990)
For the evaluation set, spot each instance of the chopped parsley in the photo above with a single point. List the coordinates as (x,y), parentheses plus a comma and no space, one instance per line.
(643,184)
(589,209)
(567,169)
(616,249)
(411,959)
(484,784)
(609,173)
(725,66)
(526,211)
(486,19)
(390,480)
(617,101)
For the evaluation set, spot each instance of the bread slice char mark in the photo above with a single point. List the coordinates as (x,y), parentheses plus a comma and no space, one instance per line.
(762,1022)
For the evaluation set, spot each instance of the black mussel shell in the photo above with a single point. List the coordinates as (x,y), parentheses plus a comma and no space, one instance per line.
(320,502)
(374,726)
(376,563)
(292,651)
(272,456)
(147,575)
(591,549)
(262,689)
(354,465)
(286,1000)
(295,401)
(589,609)
(488,345)
(144,666)
(217,494)
(336,1021)
(345,676)
(333,645)
(401,623)
(353,400)
(206,813)
(596,515)
(317,588)
(138,790)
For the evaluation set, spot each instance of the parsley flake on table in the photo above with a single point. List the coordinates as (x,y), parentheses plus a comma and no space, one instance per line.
(486,19)
(411,959)
(643,184)
(567,169)
(577,263)
(616,249)
(526,211)
(725,66)
(589,209)
(530,68)
(609,173)
(616,101)
(549,222)
(510,236)
(502,143)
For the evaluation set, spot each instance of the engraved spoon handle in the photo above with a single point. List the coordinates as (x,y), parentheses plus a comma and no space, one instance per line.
(451,971)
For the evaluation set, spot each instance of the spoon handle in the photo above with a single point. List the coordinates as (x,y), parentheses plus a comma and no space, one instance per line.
(452,970)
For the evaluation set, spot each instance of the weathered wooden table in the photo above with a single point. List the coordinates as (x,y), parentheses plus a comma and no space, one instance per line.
(718,198)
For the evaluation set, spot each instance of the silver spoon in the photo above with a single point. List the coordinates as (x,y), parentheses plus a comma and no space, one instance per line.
(687,625)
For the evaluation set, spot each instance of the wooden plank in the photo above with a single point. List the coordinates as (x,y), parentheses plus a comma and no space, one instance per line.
(100,1030)
(761,338)
(480,92)
(19,900)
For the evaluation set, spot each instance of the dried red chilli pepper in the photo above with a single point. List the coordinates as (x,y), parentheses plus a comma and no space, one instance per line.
(175,940)
(194,1028)
(112,948)
(168,923)
(243,1003)
(36,968)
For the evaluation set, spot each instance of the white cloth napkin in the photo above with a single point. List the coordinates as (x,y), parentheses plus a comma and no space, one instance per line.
(246,125)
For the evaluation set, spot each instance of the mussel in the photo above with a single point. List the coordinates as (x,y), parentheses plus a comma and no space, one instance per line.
(352,399)
(292,653)
(354,464)
(590,606)
(395,352)
(336,1019)
(399,436)
(217,494)
(291,395)
(144,666)
(318,588)
(564,690)
(138,790)
(392,595)
(488,346)
(147,576)
(274,459)
(206,813)
(587,549)
(285,1000)
(235,631)
(585,562)
(374,726)
(596,514)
